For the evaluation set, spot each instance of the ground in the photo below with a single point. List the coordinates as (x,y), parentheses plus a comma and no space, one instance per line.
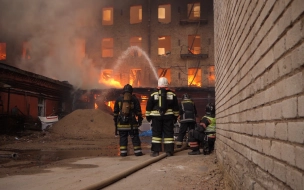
(84,142)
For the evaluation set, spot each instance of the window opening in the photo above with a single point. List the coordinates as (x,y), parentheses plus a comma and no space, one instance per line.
(2,51)
(194,44)
(107,76)
(107,16)
(164,45)
(107,47)
(136,41)
(164,13)
(211,76)
(194,11)
(135,14)
(194,77)
(135,76)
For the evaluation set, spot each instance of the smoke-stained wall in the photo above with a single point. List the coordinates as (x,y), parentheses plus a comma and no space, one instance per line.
(259,60)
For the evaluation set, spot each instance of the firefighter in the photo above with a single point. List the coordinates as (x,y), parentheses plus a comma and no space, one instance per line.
(205,133)
(162,109)
(126,109)
(187,118)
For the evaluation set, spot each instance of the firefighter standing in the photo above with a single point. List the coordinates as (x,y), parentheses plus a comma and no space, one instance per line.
(187,114)
(126,108)
(204,133)
(162,109)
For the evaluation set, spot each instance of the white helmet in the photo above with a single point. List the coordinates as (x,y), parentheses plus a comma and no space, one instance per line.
(162,82)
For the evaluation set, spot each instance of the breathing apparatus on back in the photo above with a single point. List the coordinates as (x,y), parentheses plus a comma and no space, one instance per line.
(162,95)
(126,104)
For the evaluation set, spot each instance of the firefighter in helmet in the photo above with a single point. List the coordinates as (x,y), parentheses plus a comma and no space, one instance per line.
(162,109)
(187,118)
(205,133)
(126,109)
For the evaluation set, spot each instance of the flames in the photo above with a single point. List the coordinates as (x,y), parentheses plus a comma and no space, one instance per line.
(2,51)
(106,77)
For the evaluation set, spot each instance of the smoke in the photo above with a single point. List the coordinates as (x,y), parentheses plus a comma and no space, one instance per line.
(53,30)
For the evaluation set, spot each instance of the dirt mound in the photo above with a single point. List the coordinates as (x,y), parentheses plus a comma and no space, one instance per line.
(84,124)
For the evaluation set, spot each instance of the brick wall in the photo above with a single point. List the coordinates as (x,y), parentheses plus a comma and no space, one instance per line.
(259,62)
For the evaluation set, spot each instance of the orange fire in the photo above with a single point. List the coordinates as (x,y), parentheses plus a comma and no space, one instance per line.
(195,82)
(2,51)
(110,82)
(106,78)
(111,104)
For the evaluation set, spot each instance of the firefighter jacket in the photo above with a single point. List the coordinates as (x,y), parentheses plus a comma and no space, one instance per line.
(162,99)
(128,122)
(210,123)
(187,111)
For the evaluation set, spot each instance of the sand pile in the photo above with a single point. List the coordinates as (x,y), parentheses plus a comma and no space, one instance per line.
(85,124)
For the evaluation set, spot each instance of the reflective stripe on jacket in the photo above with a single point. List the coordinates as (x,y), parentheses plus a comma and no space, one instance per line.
(153,107)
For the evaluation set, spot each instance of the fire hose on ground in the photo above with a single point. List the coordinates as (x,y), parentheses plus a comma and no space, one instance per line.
(13,155)
(129,171)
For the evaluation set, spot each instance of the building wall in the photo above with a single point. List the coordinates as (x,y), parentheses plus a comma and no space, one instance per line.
(121,31)
(259,60)
(150,29)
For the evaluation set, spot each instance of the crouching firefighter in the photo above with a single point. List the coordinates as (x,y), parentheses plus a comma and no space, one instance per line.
(205,133)
(162,109)
(126,109)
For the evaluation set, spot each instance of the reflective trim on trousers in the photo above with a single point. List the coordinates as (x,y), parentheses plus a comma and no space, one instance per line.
(137,147)
(137,151)
(193,144)
(168,140)
(155,141)
(123,151)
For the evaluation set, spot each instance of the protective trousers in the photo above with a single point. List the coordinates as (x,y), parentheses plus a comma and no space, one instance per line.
(195,139)
(162,128)
(183,130)
(124,141)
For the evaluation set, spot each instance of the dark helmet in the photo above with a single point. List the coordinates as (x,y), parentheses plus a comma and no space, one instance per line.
(186,96)
(127,88)
(210,109)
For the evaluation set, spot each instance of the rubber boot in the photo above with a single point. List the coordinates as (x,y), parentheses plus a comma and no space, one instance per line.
(169,154)
(139,154)
(154,154)
(194,152)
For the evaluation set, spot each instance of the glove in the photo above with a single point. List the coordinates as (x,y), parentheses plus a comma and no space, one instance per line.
(149,118)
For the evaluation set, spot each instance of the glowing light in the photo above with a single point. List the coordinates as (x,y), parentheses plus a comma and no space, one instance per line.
(96,106)
(144,97)
(2,51)
(110,104)
(194,77)
(106,78)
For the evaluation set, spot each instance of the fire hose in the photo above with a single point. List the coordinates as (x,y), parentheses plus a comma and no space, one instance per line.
(14,155)
(129,171)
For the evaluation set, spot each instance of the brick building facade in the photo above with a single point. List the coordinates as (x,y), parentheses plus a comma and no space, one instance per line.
(259,59)
(126,41)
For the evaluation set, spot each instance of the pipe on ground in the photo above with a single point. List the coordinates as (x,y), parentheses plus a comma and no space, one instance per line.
(127,172)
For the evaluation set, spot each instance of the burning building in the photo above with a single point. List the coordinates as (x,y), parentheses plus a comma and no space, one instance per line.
(101,45)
